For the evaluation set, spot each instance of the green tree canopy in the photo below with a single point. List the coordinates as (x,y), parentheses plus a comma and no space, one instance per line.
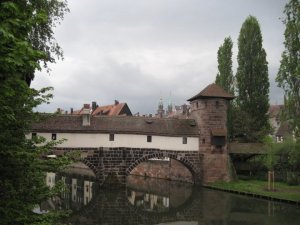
(252,80)
(288,76)
(26,40)
(26,36)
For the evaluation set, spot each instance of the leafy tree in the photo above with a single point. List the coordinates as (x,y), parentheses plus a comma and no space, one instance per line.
(252,80)
(26,40)
(286,160)
(26,35)
(288,76)
(225,77)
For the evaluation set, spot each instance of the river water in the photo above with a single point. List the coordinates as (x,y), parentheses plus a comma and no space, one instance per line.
(155,201)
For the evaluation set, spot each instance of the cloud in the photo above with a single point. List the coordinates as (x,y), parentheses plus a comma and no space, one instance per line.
(138,51)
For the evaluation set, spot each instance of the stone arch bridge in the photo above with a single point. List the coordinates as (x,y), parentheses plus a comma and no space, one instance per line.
(121,161)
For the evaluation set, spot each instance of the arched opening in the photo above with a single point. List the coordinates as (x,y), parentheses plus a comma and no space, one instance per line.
(163,166)
(151,195)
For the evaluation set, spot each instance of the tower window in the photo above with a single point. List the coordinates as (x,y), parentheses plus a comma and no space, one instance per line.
(149,138)
(217,104)
(203,141)
(111,137)
(197,104)
(218,141)
(184,140)
(53,137)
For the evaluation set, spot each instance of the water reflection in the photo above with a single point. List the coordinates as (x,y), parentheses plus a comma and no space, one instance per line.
(79,189)
(157,195)
(152,201)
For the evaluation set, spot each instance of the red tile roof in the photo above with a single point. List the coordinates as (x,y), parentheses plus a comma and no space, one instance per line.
(212,91)
(109,110)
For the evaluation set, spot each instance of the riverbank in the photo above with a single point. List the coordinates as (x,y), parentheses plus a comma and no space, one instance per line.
(256,188)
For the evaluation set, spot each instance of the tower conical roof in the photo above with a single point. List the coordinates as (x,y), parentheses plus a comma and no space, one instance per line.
(213,91)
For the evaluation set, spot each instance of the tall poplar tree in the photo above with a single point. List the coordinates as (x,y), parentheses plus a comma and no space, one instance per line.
(288,76)
(225,77)
(252,80)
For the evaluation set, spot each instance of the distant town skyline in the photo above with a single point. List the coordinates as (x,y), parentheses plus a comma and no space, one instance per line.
(139,51)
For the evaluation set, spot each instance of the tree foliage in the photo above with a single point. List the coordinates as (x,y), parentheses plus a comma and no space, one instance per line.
(26,40)
(284,158)
(252,80)
(224,77)
(288,76)
(26,36)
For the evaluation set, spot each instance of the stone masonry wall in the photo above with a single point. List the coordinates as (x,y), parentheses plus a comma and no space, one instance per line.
(121,161)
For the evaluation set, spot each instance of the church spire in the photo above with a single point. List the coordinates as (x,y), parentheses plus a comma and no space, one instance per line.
(160,110)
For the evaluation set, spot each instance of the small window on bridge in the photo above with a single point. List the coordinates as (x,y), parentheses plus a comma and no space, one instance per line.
(53,137)
(149,138)
(33,135)
(184,140)
(111,137)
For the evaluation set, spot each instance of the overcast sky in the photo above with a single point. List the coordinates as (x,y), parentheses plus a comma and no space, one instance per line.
(137,51)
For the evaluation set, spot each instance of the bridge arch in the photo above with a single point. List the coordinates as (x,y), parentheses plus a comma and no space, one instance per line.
(90,165)
(161,154)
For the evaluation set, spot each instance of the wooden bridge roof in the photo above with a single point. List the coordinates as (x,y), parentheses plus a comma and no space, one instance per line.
(247,148)
(118,124)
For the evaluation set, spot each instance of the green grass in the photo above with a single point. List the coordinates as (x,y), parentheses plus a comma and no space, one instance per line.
(282,191)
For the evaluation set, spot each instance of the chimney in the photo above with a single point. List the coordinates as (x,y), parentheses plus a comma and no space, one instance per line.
(116,102)
(86,115)
(184,109)
(94,105)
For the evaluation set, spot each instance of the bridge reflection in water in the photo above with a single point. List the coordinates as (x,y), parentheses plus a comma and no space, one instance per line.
(153,201)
